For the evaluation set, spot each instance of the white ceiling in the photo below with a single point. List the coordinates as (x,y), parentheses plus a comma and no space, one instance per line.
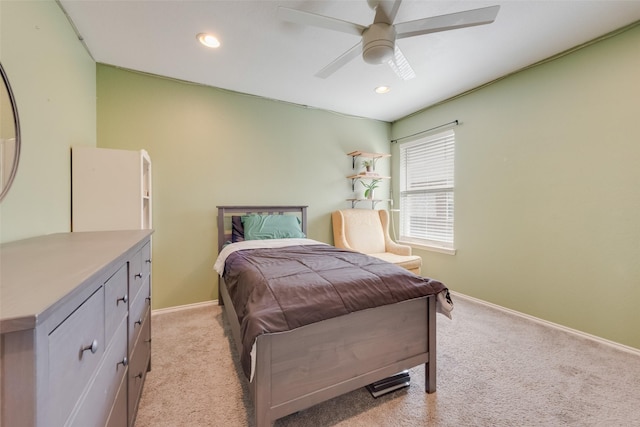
(262,55)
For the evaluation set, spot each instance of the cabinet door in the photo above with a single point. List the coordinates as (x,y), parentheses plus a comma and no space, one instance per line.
(108,189)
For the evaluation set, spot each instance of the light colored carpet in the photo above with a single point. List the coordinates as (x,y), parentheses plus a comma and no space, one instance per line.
(494,369)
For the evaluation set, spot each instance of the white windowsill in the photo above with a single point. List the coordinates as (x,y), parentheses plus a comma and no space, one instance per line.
(432,248)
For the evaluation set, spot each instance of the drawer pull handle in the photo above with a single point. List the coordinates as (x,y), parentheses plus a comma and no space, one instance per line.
(138,276)
(124,362)
(124,299)
(138,322)
(93,347)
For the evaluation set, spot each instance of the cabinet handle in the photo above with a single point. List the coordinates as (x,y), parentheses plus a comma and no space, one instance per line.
(124,299)
(124,362)
(148,299)
(148,261)
(138,322)
(139,375)
(93,347)
(138,276)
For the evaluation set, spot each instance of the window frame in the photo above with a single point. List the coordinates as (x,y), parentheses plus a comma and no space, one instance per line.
(429,188)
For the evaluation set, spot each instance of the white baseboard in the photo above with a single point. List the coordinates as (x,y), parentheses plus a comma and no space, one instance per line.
(614,344)
(183,307)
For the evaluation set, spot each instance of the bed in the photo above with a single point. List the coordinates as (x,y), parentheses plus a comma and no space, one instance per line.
(290,370)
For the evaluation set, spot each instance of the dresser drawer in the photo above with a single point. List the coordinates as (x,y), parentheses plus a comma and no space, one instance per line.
(118,415)
(135,274)
(145,260)
(76,347)
(98,402)
(137,311)
(138,366)
(139,268)
(116,301)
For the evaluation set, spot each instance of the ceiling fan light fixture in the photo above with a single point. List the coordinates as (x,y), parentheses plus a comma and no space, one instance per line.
(377,54)
(208,40)
(378,43)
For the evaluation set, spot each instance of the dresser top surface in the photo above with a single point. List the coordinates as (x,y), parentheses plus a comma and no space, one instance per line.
(37,273)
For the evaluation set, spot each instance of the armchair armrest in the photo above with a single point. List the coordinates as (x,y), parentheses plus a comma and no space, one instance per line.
(397,248)
(391,246)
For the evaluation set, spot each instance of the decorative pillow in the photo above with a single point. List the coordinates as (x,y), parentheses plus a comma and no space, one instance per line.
(262,227)
(237,230)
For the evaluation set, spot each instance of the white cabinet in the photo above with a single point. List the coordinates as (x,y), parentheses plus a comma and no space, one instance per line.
(75,328)
(111,189)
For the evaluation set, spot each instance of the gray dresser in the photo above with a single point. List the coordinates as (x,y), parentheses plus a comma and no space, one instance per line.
(75,328)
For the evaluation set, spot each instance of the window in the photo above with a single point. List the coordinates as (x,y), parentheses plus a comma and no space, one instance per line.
(426,190)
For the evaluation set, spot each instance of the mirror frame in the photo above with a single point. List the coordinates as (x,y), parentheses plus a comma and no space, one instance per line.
(16,121)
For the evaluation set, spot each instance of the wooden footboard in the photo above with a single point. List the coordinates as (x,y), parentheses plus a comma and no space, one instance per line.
(308,365)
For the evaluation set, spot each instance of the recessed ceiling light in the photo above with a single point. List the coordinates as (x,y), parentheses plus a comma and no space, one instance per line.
(383,89)
(208,40)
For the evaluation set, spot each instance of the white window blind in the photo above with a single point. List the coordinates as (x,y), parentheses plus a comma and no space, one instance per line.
(426,190)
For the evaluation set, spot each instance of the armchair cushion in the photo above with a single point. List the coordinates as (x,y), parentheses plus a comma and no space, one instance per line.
(367,231)
(412,263)
(361,231)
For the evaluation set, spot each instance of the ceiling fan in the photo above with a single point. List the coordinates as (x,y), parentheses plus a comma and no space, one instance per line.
(378,40)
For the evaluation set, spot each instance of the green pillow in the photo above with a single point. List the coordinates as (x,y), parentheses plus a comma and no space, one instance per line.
(262,227)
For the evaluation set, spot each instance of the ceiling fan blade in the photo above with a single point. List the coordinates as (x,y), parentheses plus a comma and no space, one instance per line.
(386,11)
(452,21)
(320,21)
(339,62)
(400,65)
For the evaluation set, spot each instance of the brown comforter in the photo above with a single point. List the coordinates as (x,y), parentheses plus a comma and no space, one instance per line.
(279,289)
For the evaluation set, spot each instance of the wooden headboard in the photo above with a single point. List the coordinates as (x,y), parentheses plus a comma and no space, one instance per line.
(226,212)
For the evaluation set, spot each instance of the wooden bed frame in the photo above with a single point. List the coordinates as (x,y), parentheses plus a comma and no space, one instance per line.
(308,365)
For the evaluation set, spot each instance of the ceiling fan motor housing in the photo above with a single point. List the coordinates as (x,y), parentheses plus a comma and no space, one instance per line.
(378,43)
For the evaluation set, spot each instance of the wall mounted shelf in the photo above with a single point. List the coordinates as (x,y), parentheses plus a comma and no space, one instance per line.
(368,176)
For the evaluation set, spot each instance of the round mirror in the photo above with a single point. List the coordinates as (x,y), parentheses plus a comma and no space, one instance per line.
(9,135)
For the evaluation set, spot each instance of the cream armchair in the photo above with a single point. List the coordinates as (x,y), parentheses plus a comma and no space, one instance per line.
(367,231)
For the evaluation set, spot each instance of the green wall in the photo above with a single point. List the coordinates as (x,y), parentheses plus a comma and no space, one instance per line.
(212,147)
(547,190)
(547,177)
(53,80)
